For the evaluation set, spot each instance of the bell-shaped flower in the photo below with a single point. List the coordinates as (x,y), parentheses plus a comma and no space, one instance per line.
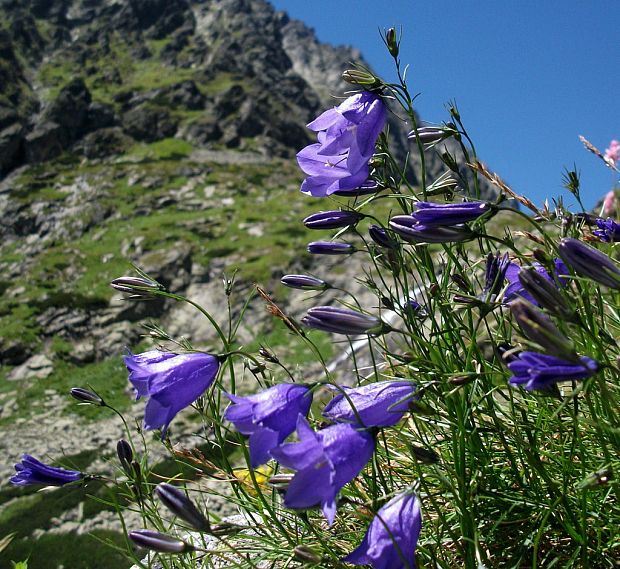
(608,230)
(533,370)
(379,404)
(32,471)
(325,461)
(392,536)
(328,174)
(268,417)
(346,136)
(352,128)
(171,381)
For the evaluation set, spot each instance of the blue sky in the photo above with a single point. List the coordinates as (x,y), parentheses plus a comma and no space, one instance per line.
(528,76)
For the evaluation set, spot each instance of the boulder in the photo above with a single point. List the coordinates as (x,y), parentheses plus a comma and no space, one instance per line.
(149,123)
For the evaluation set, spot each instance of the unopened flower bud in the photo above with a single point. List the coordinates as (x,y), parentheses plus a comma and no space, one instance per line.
(125,455)
(545,292)
(181,506)
(589,262)
(424,455)
(334,219)
(542,257)
(304,282)
(376,161)
(462,283)
(330,248)
(391,42)
(343,321)
(268,355)
(86,396)
(159,542)
(539,328)
(306,555)
(136,286)
(226,528)
(382,238)
(428,134)
(362,78)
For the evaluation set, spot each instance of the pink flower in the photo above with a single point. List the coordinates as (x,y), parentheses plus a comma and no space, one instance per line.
(609,203)
(612,153)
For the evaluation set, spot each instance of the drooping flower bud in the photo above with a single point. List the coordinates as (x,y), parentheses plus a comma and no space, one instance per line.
(545,293)
(330,248)
(410,230)
(428,134)
(392,43)
(138,288)
(87,396)
(304,282)
(125,456)
(343,321)
(382,238)
(160,542)
(181,506)
(332,219)
(539,328)
(589,262)
(424,455)
(306,555)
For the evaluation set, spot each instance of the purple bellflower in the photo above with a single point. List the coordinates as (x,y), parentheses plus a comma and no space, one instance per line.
(343,321)
(268,417)
(533,370)
(411,230)
(392,536)
(171,381)
(380,404)
(589,262)
(325,461)
(328,174)
(330,248)
(435,215)
(346,141)
(608,230)
(352,128)
(32,471)
(332,219)
(515,289)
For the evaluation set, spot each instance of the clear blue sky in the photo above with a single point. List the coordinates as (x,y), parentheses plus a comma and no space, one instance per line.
(528,76)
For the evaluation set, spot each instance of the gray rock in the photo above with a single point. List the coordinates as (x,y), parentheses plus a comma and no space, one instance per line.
(149,123)
(38,366)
